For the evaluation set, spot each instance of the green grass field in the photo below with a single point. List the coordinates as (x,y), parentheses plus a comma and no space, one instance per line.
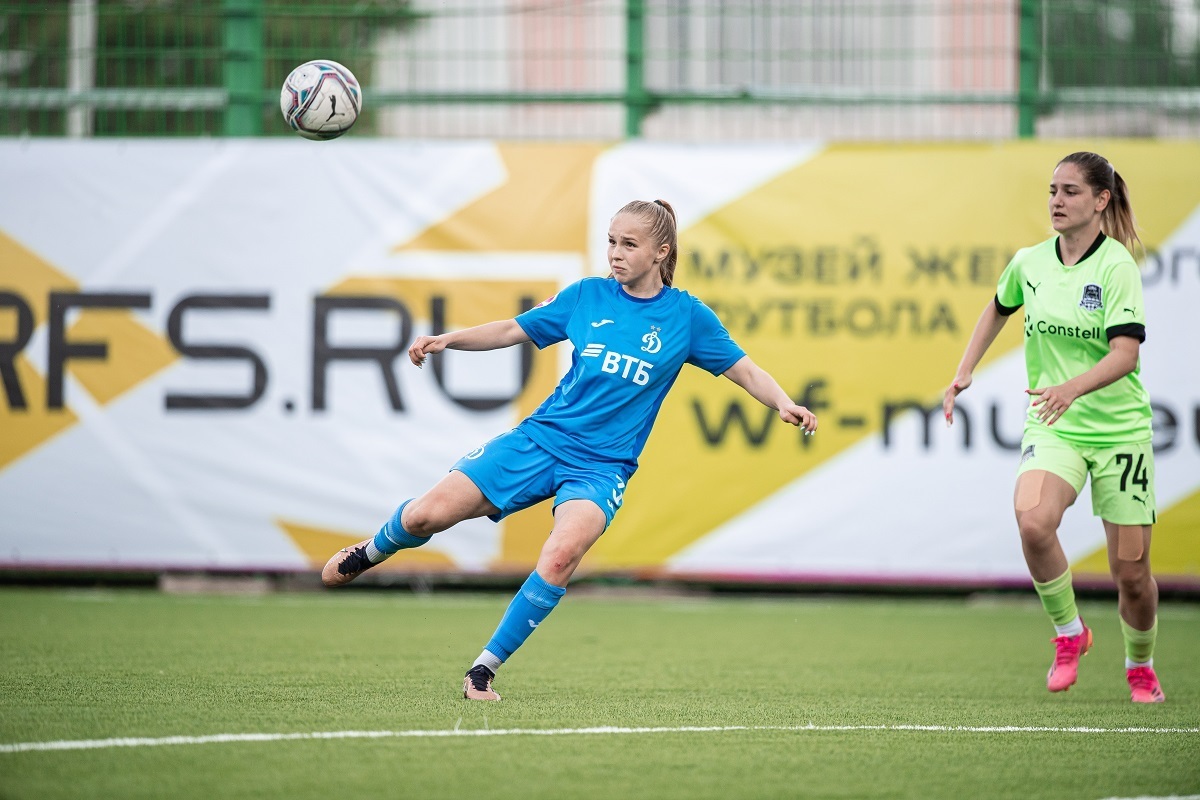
(94,665)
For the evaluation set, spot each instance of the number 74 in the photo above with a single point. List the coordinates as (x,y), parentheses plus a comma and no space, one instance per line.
(1139,471)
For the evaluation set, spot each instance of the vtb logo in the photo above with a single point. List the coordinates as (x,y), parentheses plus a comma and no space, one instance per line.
(627,367)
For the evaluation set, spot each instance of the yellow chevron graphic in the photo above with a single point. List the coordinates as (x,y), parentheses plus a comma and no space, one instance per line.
(134,352)
(542,207)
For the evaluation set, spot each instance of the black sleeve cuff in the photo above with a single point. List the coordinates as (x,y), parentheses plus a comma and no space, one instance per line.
(1135,329)
(1003,310)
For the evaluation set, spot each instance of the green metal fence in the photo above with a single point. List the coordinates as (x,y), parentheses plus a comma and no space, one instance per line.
(607,69)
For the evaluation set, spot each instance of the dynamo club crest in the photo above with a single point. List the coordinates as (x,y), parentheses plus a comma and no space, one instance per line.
(1091,299)
(652,343)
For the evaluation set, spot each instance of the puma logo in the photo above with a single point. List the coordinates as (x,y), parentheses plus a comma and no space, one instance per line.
(1139,499)
(1034,288)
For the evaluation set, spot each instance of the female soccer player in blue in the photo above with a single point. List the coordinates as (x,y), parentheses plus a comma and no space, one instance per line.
(632,333)
(1089,413)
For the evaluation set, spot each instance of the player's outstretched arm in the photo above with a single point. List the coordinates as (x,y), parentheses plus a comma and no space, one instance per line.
(986,330)
(759,384)
(489,336)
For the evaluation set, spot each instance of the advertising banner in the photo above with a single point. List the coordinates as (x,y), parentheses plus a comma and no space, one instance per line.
(202,350)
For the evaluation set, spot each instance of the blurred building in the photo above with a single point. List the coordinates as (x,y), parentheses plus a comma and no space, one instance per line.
(679,70)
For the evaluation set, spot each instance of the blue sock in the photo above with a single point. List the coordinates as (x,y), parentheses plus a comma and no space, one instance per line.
(392,538)
(533,603)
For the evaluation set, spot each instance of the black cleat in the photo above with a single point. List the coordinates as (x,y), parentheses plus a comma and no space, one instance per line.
(477,685)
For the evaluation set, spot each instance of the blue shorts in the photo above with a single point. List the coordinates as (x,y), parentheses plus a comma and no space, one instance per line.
(514,473)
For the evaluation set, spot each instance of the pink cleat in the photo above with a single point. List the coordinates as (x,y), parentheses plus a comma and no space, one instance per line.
(1143,685)
(1067,652)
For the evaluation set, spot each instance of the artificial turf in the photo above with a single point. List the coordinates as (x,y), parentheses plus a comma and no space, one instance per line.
(93,665)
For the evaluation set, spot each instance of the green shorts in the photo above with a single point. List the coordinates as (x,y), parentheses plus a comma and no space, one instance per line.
(1122,475)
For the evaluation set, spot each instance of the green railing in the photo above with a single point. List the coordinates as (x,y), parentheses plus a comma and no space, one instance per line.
(606,69)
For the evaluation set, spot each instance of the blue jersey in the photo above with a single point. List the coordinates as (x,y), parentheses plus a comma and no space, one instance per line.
(628,352)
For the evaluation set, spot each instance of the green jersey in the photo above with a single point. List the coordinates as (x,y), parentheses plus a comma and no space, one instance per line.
(1071,313)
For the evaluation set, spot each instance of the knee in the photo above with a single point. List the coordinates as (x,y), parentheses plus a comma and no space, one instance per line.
(557,560)
(1038,531)
(1133,579)
(423,518)
(556,563)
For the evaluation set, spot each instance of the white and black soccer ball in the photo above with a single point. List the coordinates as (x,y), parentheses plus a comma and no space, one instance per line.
(320,99)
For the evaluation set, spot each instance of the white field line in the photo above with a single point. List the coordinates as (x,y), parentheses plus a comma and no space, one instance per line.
(97,744)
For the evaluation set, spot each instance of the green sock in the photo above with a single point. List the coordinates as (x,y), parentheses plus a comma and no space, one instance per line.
(1058,598)
(1139,645)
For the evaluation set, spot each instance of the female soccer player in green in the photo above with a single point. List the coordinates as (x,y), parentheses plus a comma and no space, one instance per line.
(1084,325)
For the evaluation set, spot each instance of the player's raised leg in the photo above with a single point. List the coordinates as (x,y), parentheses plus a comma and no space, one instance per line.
(455,498)
(577,526)
(1040,499)
(1137,605)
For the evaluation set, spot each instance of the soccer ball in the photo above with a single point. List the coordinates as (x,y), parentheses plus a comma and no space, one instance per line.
(320,99)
